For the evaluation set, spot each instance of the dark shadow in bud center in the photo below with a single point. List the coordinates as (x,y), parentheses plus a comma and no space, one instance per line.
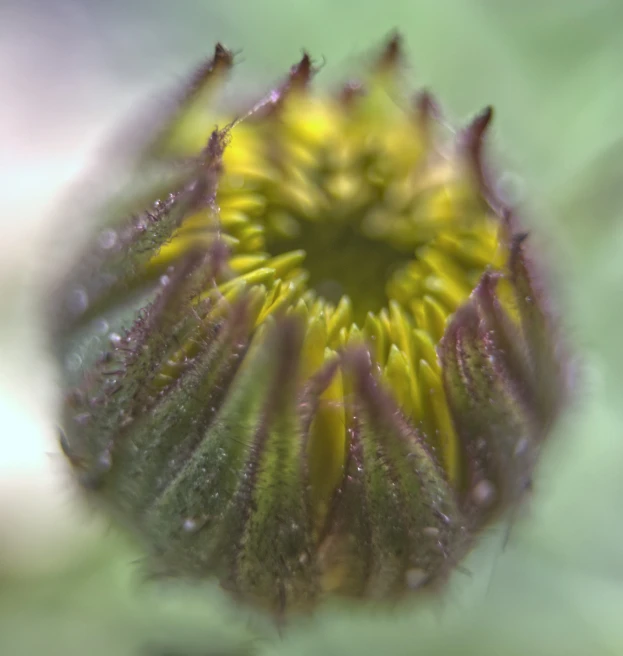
(342,261)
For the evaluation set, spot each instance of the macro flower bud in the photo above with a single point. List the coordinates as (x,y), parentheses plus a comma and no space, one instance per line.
(342,366)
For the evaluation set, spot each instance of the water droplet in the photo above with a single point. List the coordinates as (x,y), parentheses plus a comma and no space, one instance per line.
(73,362)
(483,493)
(114,338)
(165,280)
(105,460)
(107,239)
(415,578)
(522,446)
(101,326)
(189,525)
(77,300)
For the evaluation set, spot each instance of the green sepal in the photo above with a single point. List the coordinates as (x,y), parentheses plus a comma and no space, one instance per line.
(275,566)
(238,508)
(496,430)
(114,263)
(407,528)
(545,350)
(117,387)
(159,441)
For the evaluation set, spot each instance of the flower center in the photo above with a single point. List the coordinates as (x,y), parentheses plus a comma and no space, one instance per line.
(342,260)
(343,212)
(347,208)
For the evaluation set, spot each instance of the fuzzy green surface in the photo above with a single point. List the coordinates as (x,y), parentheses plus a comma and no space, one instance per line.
(552,71)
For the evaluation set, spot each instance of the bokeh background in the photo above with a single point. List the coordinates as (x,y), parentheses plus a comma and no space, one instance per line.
(551,582)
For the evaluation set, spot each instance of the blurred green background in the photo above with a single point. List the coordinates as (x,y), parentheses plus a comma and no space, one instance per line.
(554,72)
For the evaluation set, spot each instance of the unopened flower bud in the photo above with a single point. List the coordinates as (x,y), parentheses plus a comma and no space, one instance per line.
(342,367)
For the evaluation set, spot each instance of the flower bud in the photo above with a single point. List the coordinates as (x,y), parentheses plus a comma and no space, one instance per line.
(339,366)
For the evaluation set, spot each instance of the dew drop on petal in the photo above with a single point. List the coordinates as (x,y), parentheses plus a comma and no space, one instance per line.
(105,460)
(101,327)
(107,239)
(431,532)
(77,300)
(73,362)
(522,446)
(189,525)
(483,493)
(415,578)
